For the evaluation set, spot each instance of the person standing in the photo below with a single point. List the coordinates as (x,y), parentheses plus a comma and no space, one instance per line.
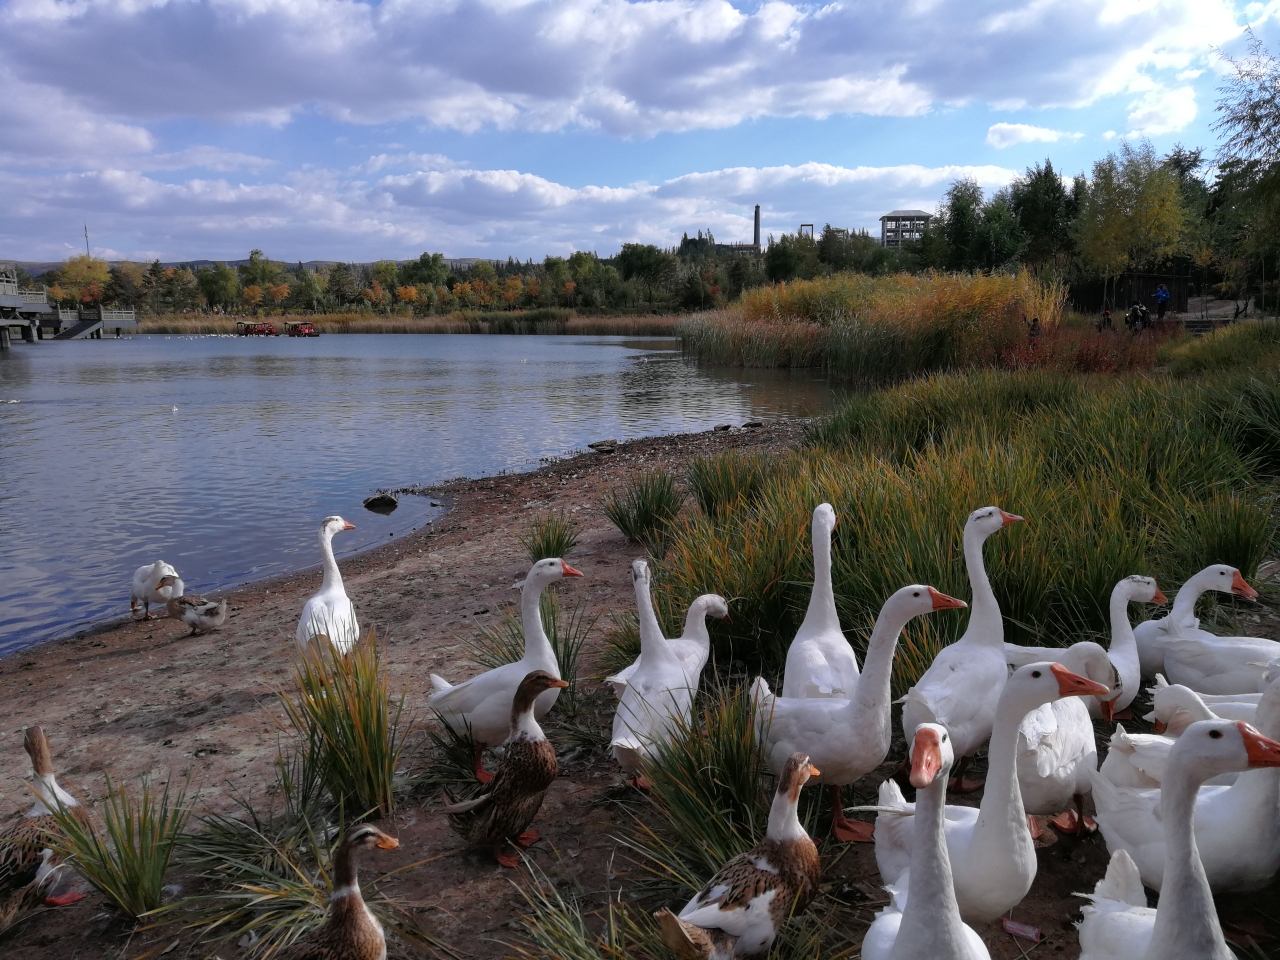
(1162,300)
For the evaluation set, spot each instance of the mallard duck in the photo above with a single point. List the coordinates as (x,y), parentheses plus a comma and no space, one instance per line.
(1181,620)
(1118,924)
(993,857)
(154,583)
(820,661)
(27,862)
(848,738)
(514,796)
(659,694)
(350,931)
(329,614)
(200,614)
(482,705)
(740,910)
(922,921)
(692,647)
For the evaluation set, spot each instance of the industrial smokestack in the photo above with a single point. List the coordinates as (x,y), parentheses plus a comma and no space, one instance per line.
(757,234)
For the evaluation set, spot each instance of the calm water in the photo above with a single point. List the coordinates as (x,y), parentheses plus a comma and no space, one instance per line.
(99,473)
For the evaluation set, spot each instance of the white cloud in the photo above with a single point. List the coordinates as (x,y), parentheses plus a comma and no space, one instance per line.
(627,68)
(1162,111)
(461,211)
(1002,135)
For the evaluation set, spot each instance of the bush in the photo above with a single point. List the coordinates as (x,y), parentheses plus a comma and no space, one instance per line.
(1241,345)
(645,507)
(346,718)
(722,482)
(549,535)
(129,864)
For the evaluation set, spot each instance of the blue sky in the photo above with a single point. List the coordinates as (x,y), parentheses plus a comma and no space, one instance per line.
(332,129)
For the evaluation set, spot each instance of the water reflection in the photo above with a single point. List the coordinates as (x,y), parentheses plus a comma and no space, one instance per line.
(99,474)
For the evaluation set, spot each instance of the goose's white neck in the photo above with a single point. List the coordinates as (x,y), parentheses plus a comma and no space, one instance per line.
(1123,650)
(985,623)
(869,709)
(332,578)
(1186,926)
(931,925)
(784,821)
(695,622)
(821,616)
(48,795)
(1184,604)
(537,646)
(1002,818)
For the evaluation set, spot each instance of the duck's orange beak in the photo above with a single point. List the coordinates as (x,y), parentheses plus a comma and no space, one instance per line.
(814,771)
(1262,751)
(1073,685)
(348,525)
(388,843)
(1010,518)
(1160,726)
(926,758)
(942,602)
(1242,589)
(559,684)
(569,571)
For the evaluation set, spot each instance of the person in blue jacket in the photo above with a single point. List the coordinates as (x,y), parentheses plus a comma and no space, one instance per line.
(1162,300)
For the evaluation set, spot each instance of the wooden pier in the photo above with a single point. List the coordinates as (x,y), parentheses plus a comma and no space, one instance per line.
(29,313)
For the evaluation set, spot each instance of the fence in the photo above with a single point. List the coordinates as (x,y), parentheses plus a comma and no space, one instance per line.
(1090,296)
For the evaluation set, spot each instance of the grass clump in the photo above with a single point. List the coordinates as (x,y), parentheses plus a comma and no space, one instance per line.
(127,859)
(1244,344)
(644,508)
(347,720)
(549,535)
(722,482)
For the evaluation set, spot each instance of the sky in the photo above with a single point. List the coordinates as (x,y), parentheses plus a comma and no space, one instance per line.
(344,130)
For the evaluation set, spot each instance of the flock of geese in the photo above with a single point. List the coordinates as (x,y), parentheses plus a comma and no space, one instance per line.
(1184,811)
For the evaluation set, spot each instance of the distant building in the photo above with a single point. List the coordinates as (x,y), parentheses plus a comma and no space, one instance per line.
(899,225)
(753,247)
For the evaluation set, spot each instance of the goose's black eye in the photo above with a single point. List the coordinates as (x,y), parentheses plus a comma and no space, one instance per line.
(944,738)
(1036,674)
(916,594)
(1216,734)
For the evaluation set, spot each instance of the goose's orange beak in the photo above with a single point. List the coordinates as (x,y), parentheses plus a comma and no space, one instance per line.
(569,571)
(942,602)
(1242,589)
(1010,518)
(1073,685)
(1160,726)
(348,525)
(814,771)
(1262,751)
(1159,598)
(926,758)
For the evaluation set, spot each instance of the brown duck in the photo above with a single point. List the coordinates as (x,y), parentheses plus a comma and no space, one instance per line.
(741,909)
(515,795)
(28,865)
(350,931)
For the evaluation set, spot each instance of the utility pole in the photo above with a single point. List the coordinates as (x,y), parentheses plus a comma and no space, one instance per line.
(86,240)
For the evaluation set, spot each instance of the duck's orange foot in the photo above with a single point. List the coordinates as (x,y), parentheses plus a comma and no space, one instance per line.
(64,899)
(506,858)
(526,839)
(641,783)
(853,831)
(1033,824)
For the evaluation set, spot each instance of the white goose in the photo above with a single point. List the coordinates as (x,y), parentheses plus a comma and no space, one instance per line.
(692,647)
(154,583)
(1118,924)
(1218,665)
(962,685)
(922,921)
(820,661)
(482,705)
(993,857)
(846,739)
(329,614)
(1123,651)
(1237,827)
(1056,750)
(660,691)
(1182,621)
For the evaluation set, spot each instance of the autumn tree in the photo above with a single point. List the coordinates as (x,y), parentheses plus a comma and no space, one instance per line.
(84,276)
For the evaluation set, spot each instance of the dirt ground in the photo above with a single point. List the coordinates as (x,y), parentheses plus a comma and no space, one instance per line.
(141,698)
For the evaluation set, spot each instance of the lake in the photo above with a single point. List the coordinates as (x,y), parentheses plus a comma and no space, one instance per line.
(222,454)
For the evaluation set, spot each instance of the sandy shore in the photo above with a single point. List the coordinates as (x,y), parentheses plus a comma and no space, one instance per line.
(144,699)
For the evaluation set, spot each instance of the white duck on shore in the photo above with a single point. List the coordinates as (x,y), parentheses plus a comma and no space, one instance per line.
(482,705)
(1118,924)
(820,661)
(1181,620)
(154,583)
(962,685)
(922,921)
(1123,651)
(993,856)
(1237,826)
(692,647)
(846,738)
(329,614)
(660,690)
